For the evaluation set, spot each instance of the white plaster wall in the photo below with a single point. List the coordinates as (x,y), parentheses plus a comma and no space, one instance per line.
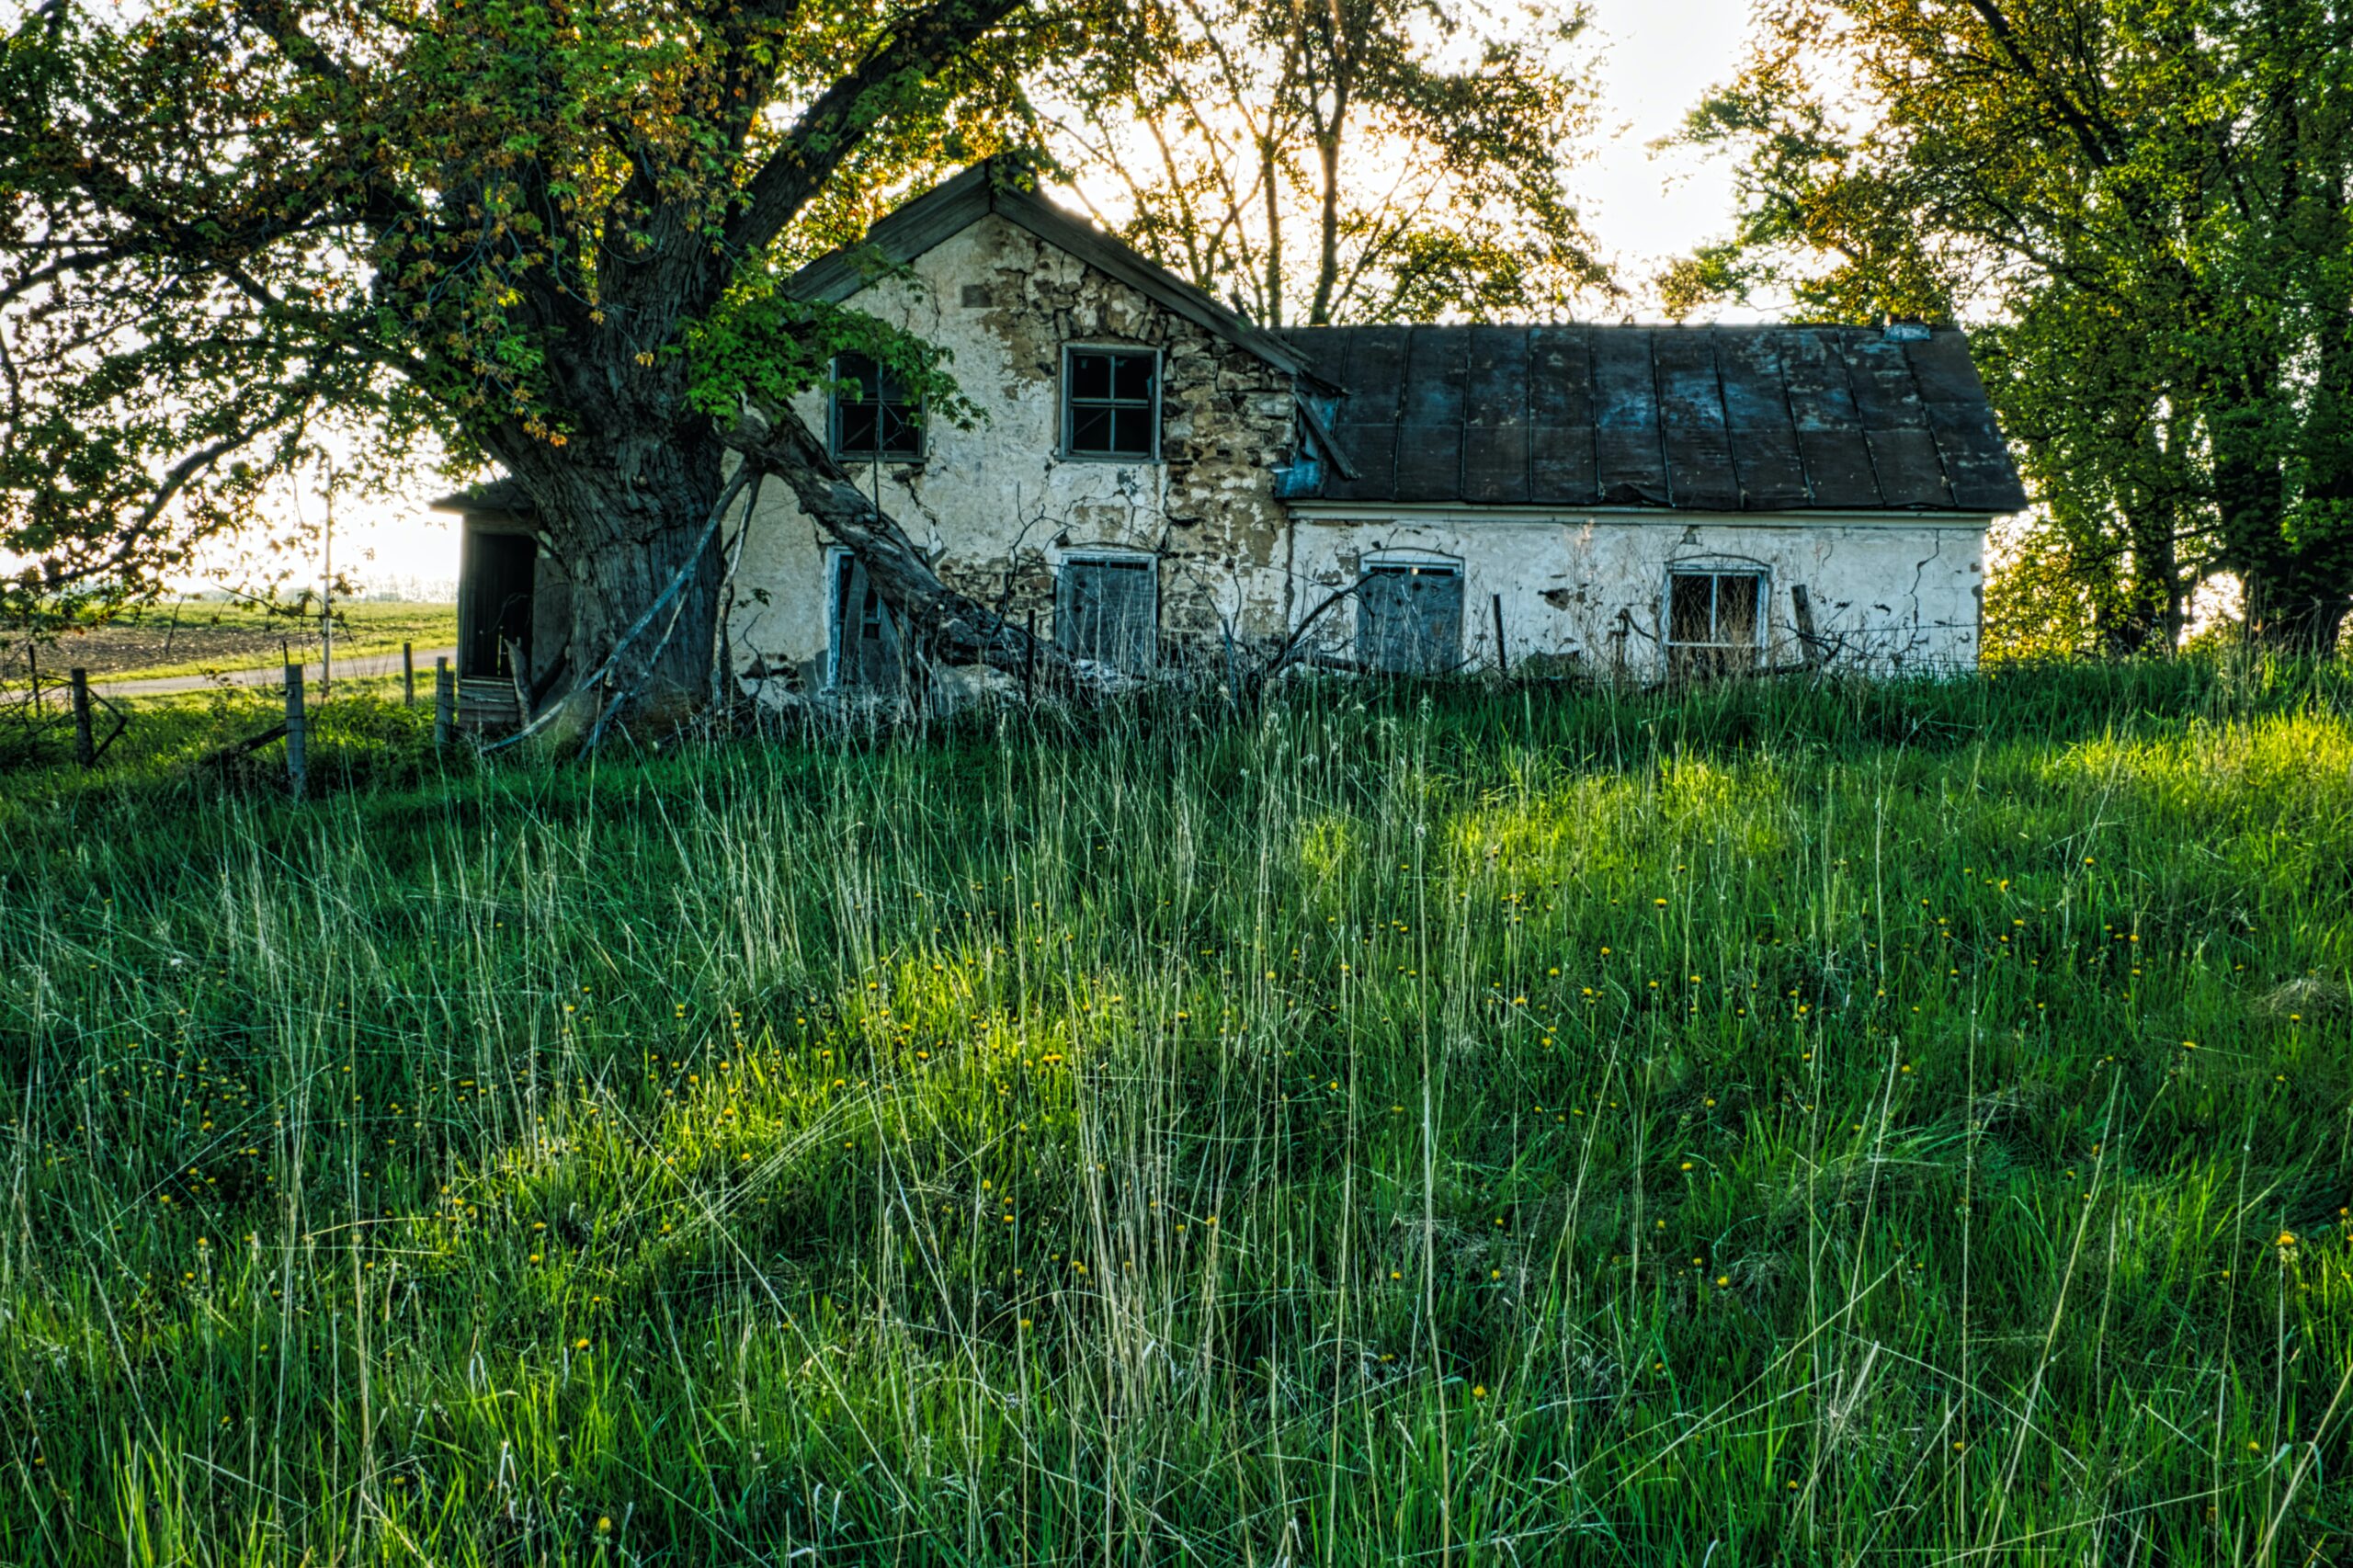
(997,496)
(995,502)
(1890,595)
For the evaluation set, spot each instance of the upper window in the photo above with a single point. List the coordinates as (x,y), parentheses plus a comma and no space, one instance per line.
(1110,402)
(875,416)
(1409,617)
(1108,608)
(1715,621)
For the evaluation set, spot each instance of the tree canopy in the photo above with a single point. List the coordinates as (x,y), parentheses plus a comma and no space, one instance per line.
(2148,200)
(547,234)
(1345,161)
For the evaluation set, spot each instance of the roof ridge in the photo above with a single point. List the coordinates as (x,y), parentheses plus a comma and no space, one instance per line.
(994,185)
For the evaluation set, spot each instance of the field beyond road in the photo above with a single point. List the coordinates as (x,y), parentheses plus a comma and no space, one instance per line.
(1767,1124)
(203,637)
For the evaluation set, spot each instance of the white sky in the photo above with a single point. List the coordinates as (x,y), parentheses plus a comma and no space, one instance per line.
(1659,56)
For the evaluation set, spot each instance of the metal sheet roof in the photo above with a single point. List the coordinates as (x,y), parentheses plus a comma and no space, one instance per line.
(1709,419)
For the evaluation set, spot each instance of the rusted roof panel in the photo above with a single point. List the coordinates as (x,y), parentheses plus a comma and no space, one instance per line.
(1757,419)
(1560,414)
(1366,430)
(1495,464)
(1430,434)
(1904,453)
(1631,467)
(1977,461)
(1494,436)
(1830,432)
(1700,469)
(1712,419)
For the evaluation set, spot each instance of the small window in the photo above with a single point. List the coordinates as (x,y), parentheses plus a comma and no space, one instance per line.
(864,639)
(1713,622)
(1108,608)
(1110,404)
(875,416)
(1409,617)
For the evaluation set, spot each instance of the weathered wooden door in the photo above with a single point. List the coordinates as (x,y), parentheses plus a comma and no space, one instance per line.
(866,641)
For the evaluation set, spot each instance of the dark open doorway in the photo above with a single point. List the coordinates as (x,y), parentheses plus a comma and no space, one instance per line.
(495,604)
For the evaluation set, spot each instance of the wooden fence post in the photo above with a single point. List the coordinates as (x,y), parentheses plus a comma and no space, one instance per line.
(1502,664)
(85,750)
(408,675)
(1809,642)
(1029,660)
(298,727)
(32,658)
(445,703)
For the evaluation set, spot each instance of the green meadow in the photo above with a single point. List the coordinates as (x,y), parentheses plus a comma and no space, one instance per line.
(1766,1124)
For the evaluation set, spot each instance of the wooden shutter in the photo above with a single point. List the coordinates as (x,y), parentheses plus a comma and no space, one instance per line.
(1409,619)
(1108,610)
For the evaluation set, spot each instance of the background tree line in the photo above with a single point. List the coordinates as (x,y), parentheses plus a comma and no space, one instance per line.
(551,236)
(2146,203)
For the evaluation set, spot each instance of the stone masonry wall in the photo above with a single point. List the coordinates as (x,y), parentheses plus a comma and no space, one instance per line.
(997,507)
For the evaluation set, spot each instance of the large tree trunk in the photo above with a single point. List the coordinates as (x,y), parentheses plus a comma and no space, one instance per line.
(626,515)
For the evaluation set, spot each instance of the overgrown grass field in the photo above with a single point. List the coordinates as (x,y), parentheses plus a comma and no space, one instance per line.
(1771,1124)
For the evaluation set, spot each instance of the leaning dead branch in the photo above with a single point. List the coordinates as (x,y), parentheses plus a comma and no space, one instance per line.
(944,626)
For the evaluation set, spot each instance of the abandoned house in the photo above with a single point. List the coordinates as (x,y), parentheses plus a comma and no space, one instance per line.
(1154,476)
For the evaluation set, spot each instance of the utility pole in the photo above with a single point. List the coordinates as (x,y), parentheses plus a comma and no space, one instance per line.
(327,600)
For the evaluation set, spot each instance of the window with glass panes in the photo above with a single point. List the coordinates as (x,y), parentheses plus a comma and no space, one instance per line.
(1715,621)
(1110,402)
(875,416)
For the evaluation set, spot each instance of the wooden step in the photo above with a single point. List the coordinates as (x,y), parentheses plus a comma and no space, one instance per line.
(490,706)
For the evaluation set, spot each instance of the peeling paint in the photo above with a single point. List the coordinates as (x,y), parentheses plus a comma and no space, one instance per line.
(997,507)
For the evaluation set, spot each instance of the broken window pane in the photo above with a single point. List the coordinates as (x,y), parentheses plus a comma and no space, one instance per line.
(1409,619)
(875,416)
(1110,402)
(1109,610)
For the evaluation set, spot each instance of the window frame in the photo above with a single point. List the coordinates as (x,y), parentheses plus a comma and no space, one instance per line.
(1067,405)
(918,425)
(1130,559)
(1715,571)
(840,561)
(1384,562)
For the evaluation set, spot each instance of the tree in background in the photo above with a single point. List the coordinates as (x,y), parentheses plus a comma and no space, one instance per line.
(2152,197)
(1339,160)
(544,233)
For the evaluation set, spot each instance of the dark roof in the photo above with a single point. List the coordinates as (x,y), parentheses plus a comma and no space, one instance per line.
(500,497)
(1008,188)
(1709,418)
